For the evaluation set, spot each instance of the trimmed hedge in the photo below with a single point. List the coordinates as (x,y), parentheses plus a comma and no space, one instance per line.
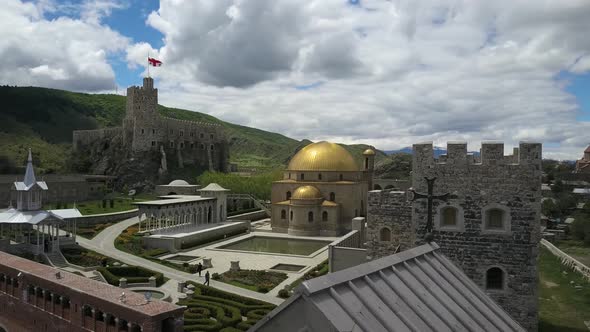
(210,309)
(133,274)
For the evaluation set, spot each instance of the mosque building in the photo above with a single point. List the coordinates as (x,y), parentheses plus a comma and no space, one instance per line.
(322,190)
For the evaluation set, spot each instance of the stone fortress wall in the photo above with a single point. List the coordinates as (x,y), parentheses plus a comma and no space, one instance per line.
(143,129)
(493,182)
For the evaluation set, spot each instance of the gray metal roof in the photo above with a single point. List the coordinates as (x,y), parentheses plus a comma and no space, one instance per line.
(415,290)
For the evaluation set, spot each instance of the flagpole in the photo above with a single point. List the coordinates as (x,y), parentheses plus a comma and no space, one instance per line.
(148,60)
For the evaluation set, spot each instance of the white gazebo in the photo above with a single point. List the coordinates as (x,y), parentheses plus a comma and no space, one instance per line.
(30,228)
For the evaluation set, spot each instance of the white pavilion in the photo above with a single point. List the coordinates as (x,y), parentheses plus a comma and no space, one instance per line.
(29,228)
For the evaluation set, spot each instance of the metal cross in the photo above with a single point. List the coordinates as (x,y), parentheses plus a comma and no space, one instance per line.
(430,196)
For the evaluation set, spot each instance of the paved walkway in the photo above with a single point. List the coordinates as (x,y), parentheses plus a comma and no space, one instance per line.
(104,243)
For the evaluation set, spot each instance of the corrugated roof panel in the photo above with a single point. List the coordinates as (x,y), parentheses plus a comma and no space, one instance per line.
(415,290)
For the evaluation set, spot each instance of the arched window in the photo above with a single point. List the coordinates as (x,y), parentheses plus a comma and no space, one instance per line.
(376,187)
(288,195)
(366,163)
(332,196)
(385,234)
(289,175)
(494,219)
(310,216)
(283,214)
(325,216)
(449,216)
(302,176)
(212,147)
(319,176)
(341,177)
(495,278)
(291,215)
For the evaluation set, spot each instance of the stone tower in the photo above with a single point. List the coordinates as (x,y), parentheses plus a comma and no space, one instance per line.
(489,226)
(141,117)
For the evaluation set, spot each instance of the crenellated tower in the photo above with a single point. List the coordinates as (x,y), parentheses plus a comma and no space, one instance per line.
(489,225)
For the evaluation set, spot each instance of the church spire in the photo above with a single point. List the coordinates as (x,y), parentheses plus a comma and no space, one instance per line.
(30,173)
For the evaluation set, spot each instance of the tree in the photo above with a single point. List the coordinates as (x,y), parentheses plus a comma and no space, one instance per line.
(550,209)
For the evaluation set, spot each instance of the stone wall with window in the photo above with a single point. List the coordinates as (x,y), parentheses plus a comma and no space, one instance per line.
(490,227)
(389,213)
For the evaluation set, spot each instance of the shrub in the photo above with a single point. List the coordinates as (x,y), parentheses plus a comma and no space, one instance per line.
(216,276)
(262,289)
(284,293)
(133,274)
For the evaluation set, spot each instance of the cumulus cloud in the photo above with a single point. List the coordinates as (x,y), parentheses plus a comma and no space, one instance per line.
(65,53)
(392,73)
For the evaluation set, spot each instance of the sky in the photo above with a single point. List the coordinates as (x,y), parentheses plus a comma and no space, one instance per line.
(384,73)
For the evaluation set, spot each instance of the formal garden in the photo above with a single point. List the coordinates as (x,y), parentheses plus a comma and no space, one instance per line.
(85,257)
(130,241)
(133,274)
(255,280)
(211,309)
(320,270)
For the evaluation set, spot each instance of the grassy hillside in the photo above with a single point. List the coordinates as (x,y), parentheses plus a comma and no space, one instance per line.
(44,119)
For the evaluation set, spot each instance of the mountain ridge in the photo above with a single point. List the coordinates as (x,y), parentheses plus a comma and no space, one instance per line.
(44,119)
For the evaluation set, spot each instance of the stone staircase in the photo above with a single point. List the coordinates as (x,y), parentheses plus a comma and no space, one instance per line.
(97,277)
(57,259)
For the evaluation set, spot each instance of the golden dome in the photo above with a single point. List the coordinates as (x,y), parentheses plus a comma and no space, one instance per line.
(307,192)
(369,152)
(323,156)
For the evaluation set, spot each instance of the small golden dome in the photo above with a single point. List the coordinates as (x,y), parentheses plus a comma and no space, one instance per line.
(307,192)
(323,156)
(369,152)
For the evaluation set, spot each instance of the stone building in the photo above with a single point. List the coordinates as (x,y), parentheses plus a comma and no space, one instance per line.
(322,190)
(488,225)
(144,130)
(583,165)
(65,188)
(37,297)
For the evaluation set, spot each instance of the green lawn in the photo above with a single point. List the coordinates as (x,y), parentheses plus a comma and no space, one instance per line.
(576,249)
(561,306)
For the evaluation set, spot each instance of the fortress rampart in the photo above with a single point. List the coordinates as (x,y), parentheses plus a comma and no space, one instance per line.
(489,222)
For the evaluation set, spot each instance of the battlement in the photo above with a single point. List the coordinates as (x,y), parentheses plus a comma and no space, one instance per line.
(196,123)
(491,153)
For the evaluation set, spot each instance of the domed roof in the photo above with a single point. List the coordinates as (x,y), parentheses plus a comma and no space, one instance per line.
(323,156)
(369,152)
(178,183)
(306,192)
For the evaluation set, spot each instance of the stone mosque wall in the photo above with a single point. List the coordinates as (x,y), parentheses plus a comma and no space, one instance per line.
(507,188)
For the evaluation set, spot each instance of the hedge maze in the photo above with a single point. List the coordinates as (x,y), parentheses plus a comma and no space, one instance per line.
(210,309)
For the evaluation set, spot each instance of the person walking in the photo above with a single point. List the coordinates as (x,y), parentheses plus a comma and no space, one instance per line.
(199,268)
(206,279)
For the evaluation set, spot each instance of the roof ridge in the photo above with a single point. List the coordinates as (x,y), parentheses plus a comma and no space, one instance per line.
(355,272)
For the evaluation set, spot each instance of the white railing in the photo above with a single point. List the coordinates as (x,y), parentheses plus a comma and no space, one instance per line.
(567,260)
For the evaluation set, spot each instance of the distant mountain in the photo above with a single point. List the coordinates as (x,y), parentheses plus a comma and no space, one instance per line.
(437,151)
(408,149)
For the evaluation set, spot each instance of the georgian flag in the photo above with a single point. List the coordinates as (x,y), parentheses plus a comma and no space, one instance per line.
(154,62)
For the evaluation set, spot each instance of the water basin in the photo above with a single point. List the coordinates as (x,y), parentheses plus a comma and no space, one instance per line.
(277,245)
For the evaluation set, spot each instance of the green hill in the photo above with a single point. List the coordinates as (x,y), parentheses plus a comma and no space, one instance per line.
(44,119)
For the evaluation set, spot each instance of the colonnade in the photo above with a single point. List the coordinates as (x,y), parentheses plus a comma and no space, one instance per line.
(43,237)
(170,219)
